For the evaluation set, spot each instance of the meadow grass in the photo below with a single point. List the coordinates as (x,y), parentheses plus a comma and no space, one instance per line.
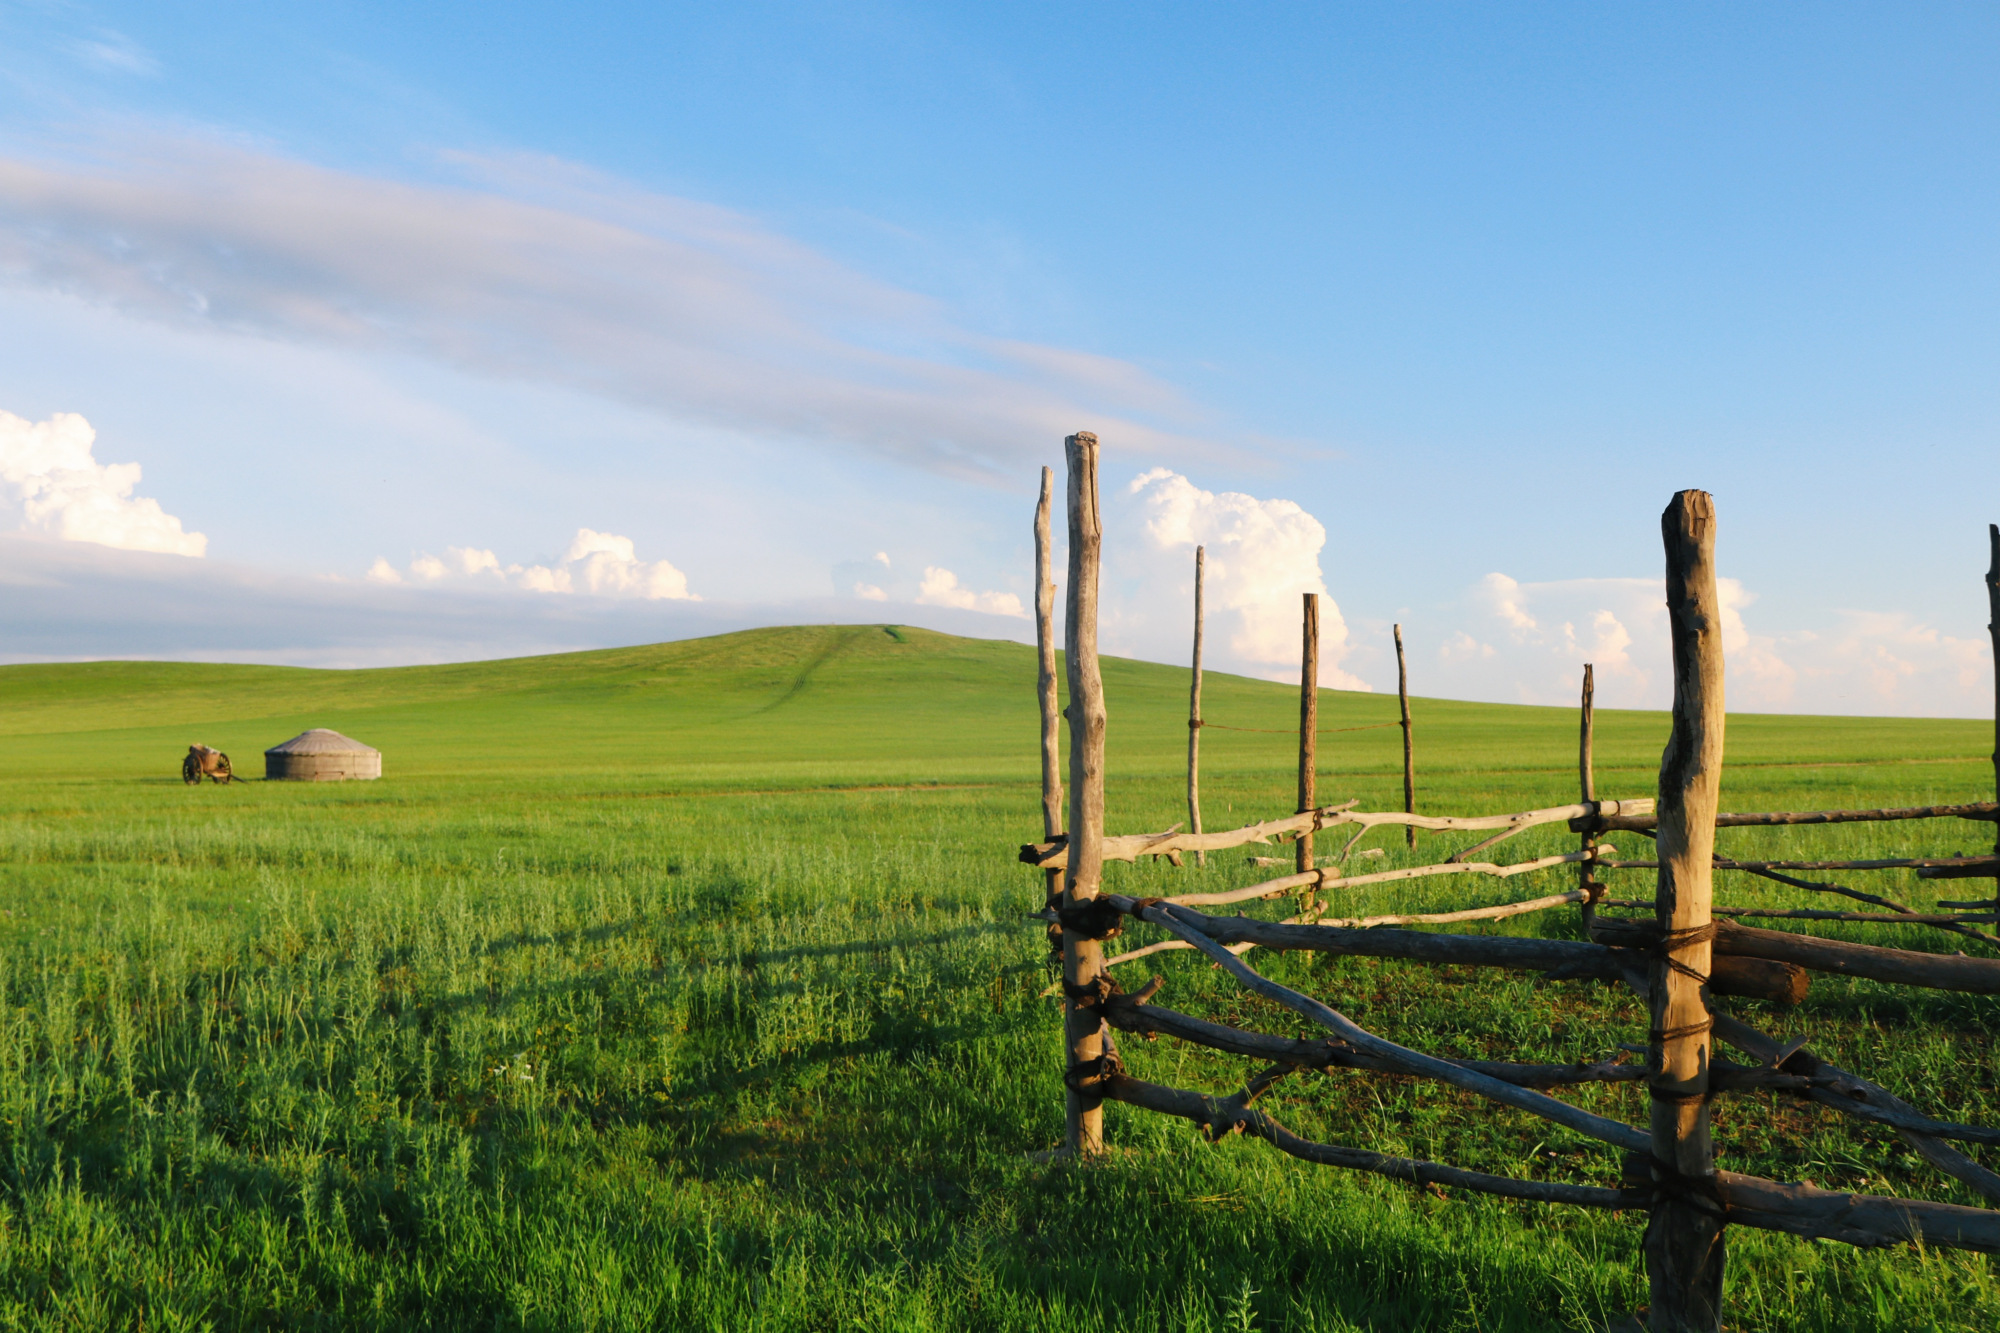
(689,986)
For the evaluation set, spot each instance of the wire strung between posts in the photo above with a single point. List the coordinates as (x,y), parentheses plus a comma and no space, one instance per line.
(1288,731)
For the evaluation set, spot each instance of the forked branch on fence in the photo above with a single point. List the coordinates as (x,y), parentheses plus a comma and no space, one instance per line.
(1131,846)
(1401,1058)
(1136,1013)
(1855,1096)
(1220,1117)
(1568,960)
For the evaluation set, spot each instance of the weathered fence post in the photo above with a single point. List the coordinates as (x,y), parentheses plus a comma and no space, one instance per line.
(1308,724)
(1684,1235)
(1409,749)
(1083,957)
(1586,774)
(1045,683)
(1993,629)
(1194,711)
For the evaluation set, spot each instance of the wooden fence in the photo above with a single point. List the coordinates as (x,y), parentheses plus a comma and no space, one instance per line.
(1683,959)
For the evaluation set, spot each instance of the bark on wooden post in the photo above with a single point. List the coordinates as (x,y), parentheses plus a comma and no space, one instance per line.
(1308,724)
(1083,958)
(1586,774)
(1194,711)
(1409,749)
(1684,1242)
(1993,629)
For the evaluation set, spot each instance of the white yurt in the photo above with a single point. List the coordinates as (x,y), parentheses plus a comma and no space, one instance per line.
(321,755)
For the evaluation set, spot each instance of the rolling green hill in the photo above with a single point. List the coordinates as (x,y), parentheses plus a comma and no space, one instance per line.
(690,986)
(834,705)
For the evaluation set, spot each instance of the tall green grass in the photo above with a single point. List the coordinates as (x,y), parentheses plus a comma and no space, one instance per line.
(689,987)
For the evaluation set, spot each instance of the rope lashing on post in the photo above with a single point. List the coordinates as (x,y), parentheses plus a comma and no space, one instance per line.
(1092,919)
(1093,992)
(1664,950)
(1663,1182)
(1085,1072)
(1675,940)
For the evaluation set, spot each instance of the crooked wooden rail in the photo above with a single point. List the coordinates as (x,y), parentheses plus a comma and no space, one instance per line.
(1681,961)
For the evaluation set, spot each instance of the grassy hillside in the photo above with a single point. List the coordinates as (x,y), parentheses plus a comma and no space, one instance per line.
(687,986)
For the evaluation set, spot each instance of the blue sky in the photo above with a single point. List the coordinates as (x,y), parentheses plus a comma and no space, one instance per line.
(767,291)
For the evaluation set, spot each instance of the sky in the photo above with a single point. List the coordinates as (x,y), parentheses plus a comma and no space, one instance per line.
(350,334)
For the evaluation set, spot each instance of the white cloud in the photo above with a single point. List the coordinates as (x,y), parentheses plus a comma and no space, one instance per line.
(546,273)
(599,563)
(869,592)
(49,472)
(1261,556)
(940,588)
(1463,647)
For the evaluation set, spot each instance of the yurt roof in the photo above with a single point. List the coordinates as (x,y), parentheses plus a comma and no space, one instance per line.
(321,740)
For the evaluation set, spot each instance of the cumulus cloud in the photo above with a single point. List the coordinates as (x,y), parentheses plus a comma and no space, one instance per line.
(940,588)
(50,476)
(1261,555)
(1527,643)
(541,271)
(601,564)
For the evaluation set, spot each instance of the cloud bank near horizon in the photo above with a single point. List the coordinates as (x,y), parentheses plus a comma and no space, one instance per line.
(1531,640)
(95,571)
(1504,641)
(601,564)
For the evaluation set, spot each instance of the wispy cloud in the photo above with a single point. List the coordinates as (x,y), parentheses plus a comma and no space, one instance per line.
(114,51)
(537,269)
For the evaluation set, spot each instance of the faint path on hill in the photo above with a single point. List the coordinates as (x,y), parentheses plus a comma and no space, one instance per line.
(837,639)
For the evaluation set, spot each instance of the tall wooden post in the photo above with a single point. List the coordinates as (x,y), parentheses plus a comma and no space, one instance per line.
(1045,680)
(1586,779)
(1194,710)
(1993,629)
(1684,1241)
(1409,748)
(1308,724)
(1083,958)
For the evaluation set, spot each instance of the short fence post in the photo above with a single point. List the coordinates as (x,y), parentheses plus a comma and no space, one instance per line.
(1194,712)
(1083,957)
(1409,747)
(1586,774)
(1684,1235)
(1308,725)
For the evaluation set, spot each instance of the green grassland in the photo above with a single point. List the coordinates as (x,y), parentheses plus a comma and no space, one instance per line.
(688,987)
